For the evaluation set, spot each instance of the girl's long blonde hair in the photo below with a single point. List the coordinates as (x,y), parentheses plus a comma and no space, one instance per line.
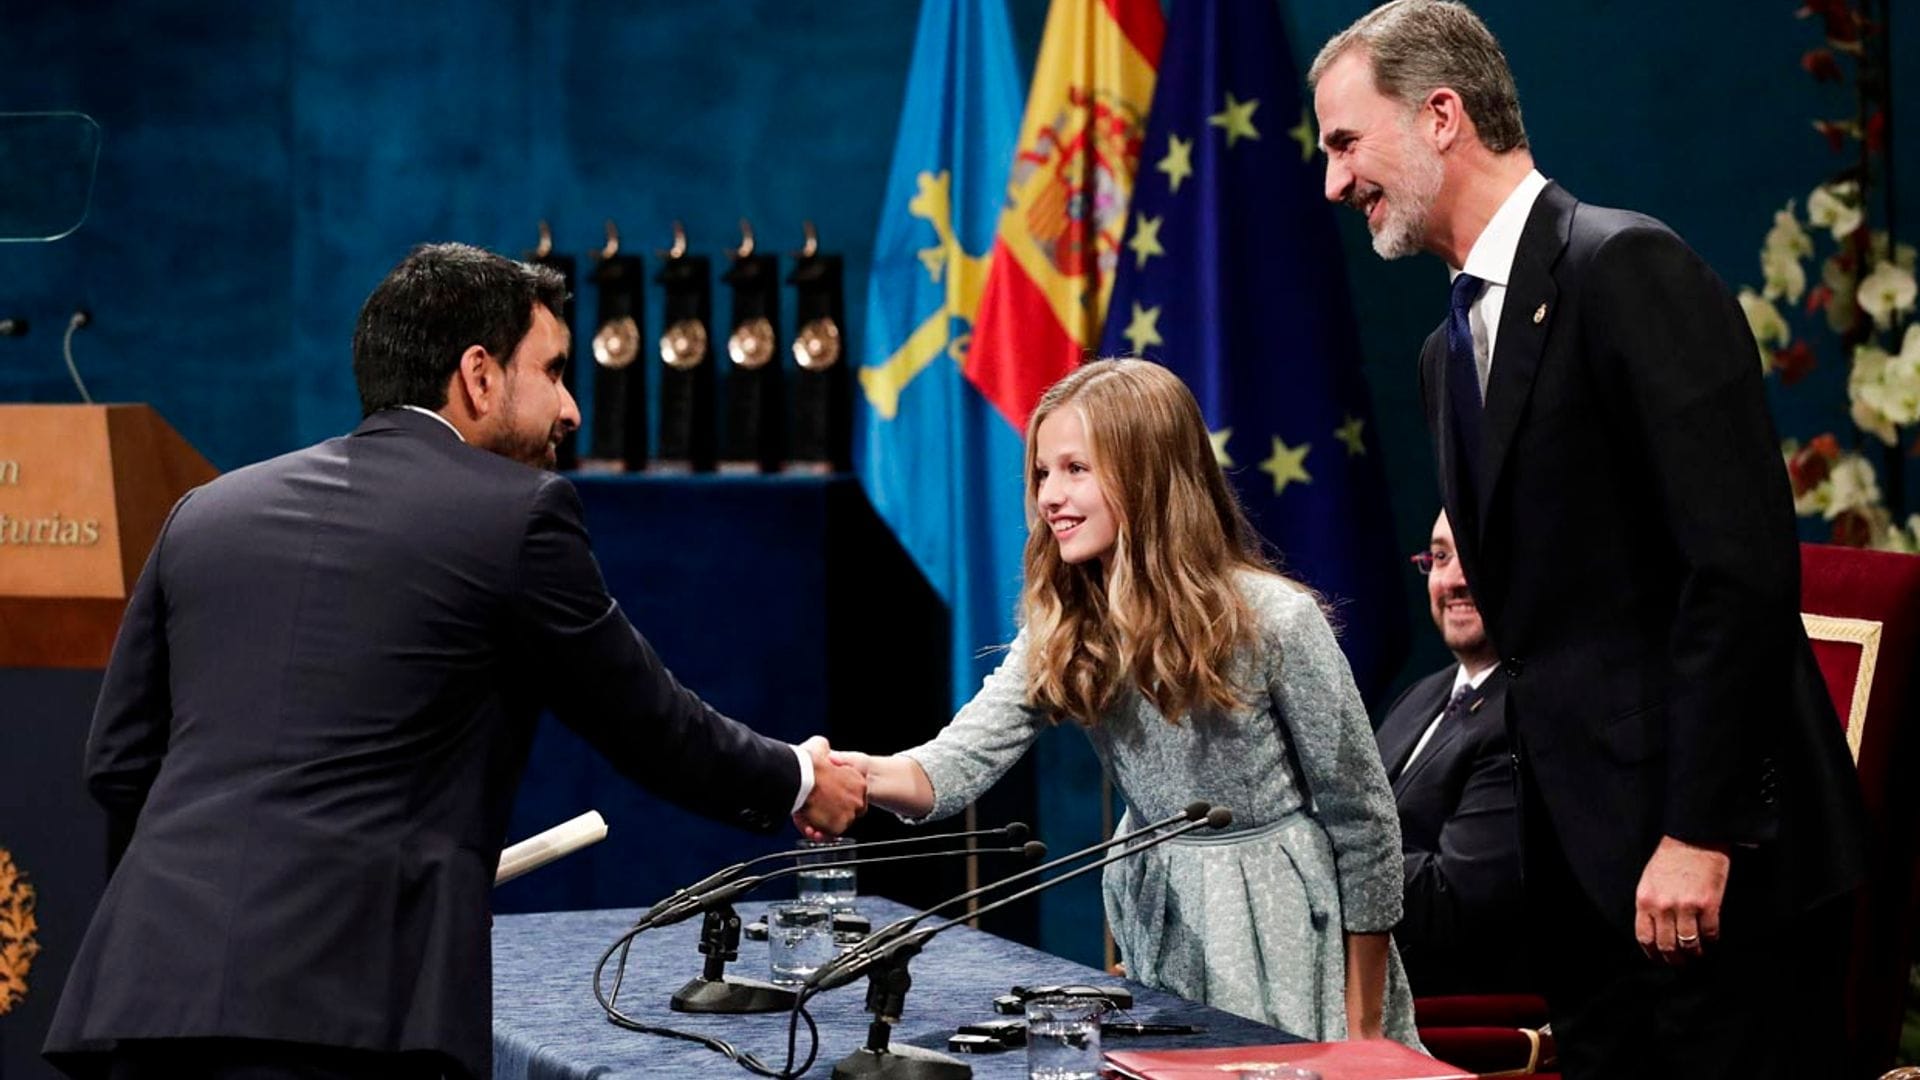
(1163,617)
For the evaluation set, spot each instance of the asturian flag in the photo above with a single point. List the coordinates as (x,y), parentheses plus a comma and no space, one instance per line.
(940,465)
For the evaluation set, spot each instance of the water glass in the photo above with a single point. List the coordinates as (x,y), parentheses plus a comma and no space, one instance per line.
(799,940)
(1063,1037)
(835,888)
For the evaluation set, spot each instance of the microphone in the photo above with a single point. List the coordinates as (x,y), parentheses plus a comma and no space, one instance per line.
(1015,832)
(728,892)
(1195,811)
(855,961)
(714,991)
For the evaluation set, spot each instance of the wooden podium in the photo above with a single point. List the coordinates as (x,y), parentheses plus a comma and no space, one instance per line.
(84,490)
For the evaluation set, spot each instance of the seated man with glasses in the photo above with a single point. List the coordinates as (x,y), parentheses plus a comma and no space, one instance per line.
(1444,743)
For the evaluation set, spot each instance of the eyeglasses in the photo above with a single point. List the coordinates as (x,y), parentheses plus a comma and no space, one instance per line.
(1428,561)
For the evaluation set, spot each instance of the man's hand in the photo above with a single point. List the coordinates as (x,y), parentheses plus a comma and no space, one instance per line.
(1677,906)
(839,794)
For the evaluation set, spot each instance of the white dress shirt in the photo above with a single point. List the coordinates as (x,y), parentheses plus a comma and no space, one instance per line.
(1491,260)
(806,763)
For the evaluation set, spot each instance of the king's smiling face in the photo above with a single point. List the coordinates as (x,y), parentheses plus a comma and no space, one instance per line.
(1377,161)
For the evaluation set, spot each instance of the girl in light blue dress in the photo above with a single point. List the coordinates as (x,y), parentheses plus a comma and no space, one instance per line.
(1150,619)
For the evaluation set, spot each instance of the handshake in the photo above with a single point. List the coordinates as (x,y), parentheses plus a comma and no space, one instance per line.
(839,793)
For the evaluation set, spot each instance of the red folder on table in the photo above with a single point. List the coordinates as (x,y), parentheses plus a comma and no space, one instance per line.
(1360,1059)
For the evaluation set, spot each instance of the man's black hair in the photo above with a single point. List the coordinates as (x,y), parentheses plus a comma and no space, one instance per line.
(441,300)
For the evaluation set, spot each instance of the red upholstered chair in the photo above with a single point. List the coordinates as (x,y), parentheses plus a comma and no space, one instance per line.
(1862,610)
(1487,1034)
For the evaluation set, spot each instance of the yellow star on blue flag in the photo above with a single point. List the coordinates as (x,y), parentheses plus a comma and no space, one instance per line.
(1237,118)
(1287,465)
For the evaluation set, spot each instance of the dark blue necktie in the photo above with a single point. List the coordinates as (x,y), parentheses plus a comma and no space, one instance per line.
(1463,375)
(1460,704)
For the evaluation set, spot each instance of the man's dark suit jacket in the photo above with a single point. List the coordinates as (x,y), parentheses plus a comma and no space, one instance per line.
(1629,536)
(319,707)
(1461,838)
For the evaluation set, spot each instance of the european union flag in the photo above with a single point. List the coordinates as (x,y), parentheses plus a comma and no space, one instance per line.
(1231,276)
(942,467)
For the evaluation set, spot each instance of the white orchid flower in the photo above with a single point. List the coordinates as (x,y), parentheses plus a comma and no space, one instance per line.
(1768,327)
(1853,486)
(1836,207)
(1786,278)
(1787,234)
(1888,291)
(1895,391)
(1883,391)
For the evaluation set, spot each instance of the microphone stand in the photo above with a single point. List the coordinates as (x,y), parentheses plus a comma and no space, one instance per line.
(888,980)
(715,991)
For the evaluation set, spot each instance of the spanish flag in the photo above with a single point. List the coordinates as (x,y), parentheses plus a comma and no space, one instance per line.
(1057,247)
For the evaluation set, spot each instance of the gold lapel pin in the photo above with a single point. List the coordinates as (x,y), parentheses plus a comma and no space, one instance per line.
(1540,313)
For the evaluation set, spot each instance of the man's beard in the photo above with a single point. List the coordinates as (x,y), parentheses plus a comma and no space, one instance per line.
(539,452)
(1460,641)
(1403,231)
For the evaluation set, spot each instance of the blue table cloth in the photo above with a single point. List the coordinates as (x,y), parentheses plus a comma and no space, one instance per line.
(546,1024)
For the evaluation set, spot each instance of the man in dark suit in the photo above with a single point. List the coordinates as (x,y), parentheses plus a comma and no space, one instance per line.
(1692,827)
(323,695)
(1444,743)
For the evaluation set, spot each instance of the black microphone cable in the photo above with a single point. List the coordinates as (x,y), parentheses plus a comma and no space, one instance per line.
(683,905)
(722,1047)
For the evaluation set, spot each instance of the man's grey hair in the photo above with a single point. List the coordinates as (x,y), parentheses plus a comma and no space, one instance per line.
(1418,46)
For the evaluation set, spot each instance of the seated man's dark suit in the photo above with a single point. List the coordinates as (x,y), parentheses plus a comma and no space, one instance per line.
(318,710)
(1461,836)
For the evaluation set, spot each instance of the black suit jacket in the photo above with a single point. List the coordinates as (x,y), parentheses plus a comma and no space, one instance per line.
(1629,536)
(318,709)
(1461,837)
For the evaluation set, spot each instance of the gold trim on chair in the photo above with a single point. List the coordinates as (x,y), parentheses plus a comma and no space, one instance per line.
(1533,1056)
(1866,634)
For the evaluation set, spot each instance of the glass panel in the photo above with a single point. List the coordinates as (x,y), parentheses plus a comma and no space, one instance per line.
(47,162)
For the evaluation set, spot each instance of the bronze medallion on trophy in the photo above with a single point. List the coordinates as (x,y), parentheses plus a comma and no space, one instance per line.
(818,346)
(617,343)
(684,344)
(751,343)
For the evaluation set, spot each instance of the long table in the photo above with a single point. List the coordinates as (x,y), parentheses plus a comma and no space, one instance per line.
(547,1026)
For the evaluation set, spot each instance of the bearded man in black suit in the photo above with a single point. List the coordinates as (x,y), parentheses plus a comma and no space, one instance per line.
(1692,827)
(1444,743)
(322,698)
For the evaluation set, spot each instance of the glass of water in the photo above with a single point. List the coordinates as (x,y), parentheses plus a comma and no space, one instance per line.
(1063,1037)
(799,940)
(833,887)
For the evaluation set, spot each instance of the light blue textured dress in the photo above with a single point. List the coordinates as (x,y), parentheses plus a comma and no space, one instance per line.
(1249,920)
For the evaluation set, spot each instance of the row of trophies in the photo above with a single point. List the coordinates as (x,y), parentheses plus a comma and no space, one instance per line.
(760,416)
